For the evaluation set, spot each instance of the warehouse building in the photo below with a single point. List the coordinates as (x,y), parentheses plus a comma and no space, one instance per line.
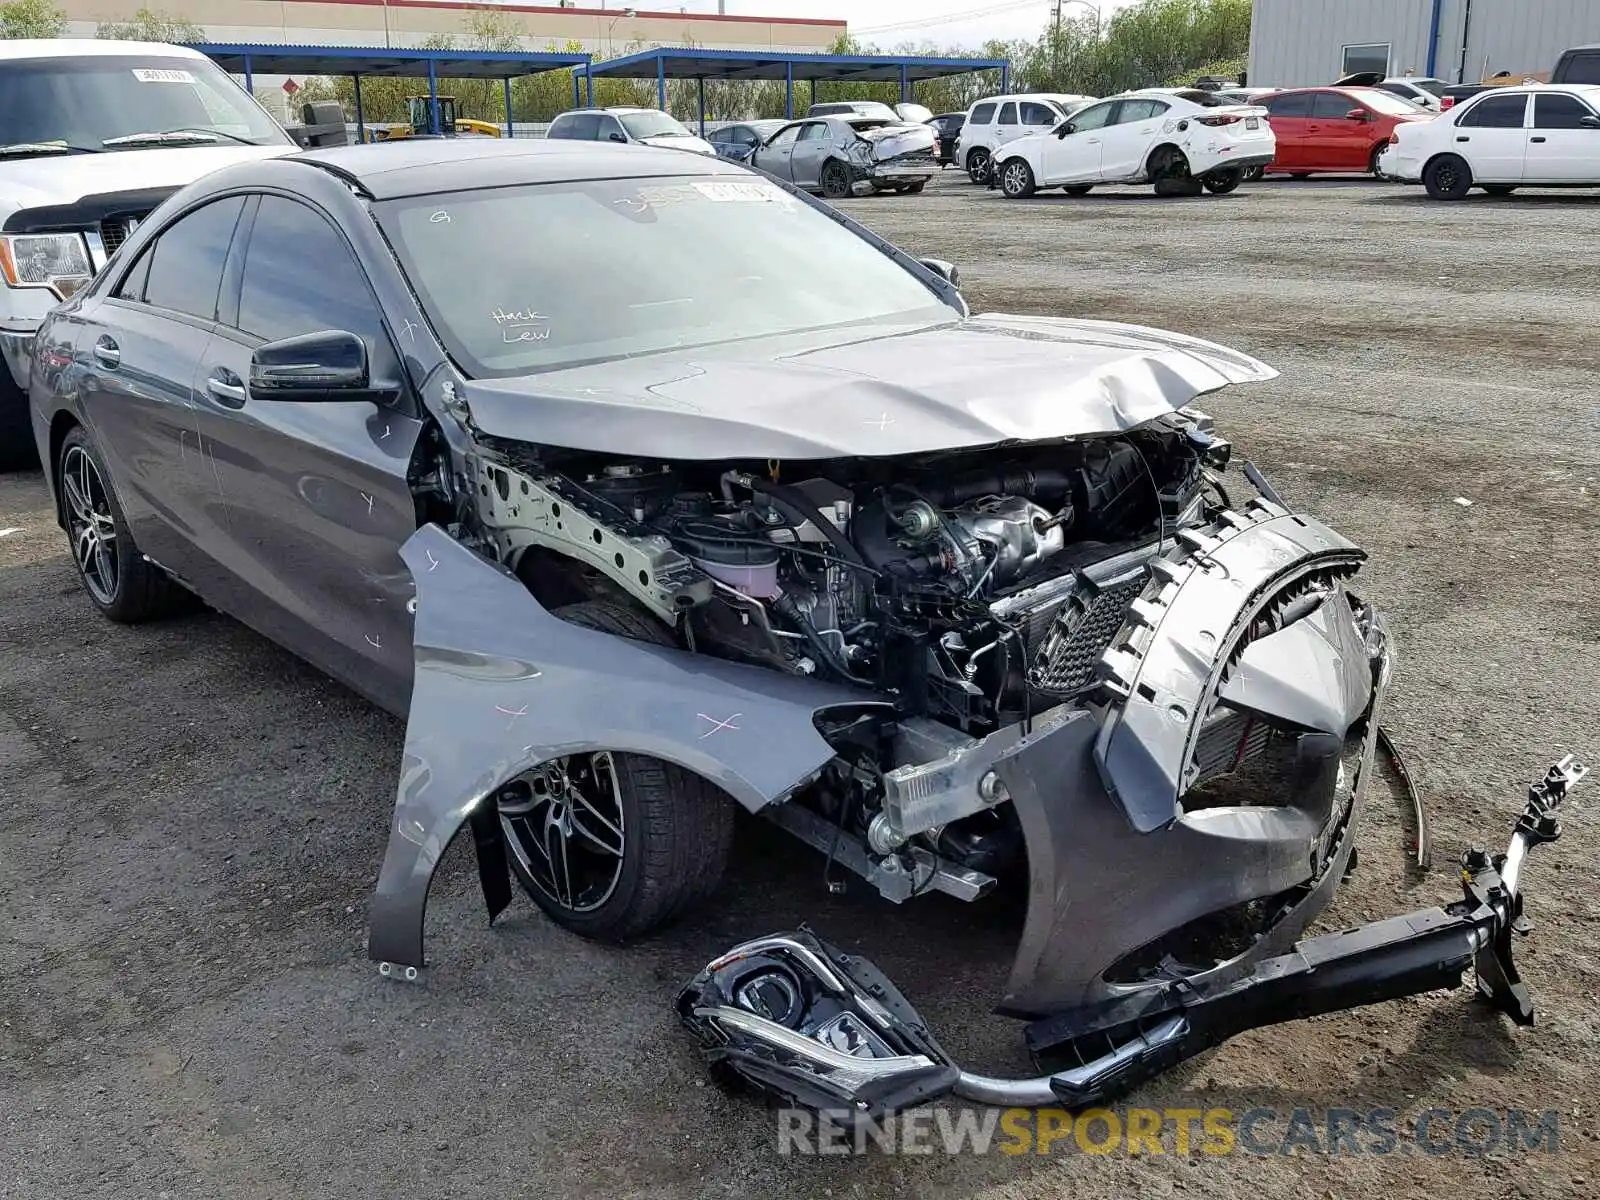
(609,30)
(1299,42)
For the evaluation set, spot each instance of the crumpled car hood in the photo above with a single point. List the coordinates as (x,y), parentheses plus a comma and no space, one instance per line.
(892,141)
(976,382)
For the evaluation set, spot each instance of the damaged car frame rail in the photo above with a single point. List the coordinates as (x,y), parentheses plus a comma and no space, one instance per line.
(797,1019)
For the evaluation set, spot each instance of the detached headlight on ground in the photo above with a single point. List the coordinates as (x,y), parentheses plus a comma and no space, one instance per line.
(58,261)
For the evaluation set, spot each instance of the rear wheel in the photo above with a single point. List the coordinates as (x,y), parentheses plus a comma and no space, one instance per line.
(1499,189)
(1220,183)
(1016,179)
(1254,174)
(1078,189)
(612,846)
(978,164)
(1372,162)
(1170,171)
(835,180)
(911,189)
(1448,178)
(121,582)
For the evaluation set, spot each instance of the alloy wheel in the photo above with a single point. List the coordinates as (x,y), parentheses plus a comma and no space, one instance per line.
(90,524)
(1014,180)
(567,830)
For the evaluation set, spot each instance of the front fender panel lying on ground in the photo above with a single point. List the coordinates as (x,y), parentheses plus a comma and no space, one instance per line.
(502,685)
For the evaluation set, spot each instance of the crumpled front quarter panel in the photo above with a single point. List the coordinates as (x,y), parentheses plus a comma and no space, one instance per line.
(502,685)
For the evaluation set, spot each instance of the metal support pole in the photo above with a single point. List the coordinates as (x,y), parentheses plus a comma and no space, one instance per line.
(788,91)
(577,100)
(249,78)
(661,84)
(588,82)
(433,96)
(700,83)
(1005,80)
(510,131)
(905,84)
(813,91)
(361,121)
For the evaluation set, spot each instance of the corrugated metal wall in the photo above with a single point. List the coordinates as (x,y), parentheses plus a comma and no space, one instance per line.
(1296,42)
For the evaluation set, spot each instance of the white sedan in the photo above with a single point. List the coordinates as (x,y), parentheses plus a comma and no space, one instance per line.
(1180,139)
(1541,135)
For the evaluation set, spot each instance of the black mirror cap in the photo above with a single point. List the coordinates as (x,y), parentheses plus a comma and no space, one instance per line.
(327,365)
(944,270)
(616,137)
(1589,122)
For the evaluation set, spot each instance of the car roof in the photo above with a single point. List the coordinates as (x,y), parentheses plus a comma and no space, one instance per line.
(389,170)
(88,48)
(612,108)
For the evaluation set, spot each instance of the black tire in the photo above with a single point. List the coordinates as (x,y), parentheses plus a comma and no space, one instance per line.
(1078,189)
(1016,179)
(1372,161)
(118,579)
(911,189)
(18,451)
(1499,189)
(1448,177)
(1299,175)
(687,823)
(835,179)
(1220,183)
(978,165)
(1170,172)
(1254,174)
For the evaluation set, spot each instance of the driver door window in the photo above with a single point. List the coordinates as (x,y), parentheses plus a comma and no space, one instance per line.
(1036,115)
(810,150)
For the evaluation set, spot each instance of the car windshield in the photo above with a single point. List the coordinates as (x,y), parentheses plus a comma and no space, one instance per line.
(652,124)
(1384,102)
(84,103)
(1432,86)
(641,266)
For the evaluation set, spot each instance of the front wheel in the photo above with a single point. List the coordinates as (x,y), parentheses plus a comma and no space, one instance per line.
(911,189)
(978,165)
(122,583)
(612,846)
(1016,179)
(1448,178)
(835,180)
(1255,174)
(1220,183)
(1078,189)
(1499,189)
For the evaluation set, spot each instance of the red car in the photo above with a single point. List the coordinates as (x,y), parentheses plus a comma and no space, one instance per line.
(1334,129)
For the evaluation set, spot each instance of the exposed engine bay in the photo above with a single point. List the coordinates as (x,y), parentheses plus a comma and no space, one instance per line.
(975,588)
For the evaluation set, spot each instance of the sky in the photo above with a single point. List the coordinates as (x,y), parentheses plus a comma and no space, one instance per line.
(954,23)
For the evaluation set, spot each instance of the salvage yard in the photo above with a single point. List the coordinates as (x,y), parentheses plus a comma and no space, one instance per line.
(191,820)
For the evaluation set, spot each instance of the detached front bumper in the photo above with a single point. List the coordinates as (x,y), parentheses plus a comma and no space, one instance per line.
(16,349)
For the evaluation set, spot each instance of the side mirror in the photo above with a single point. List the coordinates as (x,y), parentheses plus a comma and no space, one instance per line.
(330,365)
(615,137)
(1357,114)
(944,270)
(1066,127)
(1589,122)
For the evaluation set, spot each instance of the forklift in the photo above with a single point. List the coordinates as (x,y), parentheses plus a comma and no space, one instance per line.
(419,125)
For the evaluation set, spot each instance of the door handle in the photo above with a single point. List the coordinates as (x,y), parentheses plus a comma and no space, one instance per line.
(1463,139)
(1092,141)
(225,389)
(1537,139)
(106,352)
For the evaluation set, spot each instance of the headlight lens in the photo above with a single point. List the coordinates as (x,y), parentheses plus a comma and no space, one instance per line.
(58,261)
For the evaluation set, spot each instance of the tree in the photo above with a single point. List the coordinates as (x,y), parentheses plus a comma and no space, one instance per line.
(32,19)
(151,25)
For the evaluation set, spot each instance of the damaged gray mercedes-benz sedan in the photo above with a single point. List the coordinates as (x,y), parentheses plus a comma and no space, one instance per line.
(649,488)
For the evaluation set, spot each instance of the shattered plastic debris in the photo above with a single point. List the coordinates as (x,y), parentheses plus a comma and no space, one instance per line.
(1464,502)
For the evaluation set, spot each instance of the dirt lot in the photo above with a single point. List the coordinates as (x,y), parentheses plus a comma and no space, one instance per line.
(192,820)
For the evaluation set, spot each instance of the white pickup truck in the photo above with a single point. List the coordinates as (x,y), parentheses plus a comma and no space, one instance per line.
(93,136)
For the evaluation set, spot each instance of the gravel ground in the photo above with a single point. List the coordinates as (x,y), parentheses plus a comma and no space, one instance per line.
(192,820)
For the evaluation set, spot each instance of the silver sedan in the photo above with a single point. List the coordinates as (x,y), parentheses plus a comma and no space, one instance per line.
(842,155)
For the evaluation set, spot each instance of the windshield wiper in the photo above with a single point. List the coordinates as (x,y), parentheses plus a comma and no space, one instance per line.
(21,149)
(187,136)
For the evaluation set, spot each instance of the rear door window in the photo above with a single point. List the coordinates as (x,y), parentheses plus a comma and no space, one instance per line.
(1496,112)
(185,272)
(1297,105)
(1008,113)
